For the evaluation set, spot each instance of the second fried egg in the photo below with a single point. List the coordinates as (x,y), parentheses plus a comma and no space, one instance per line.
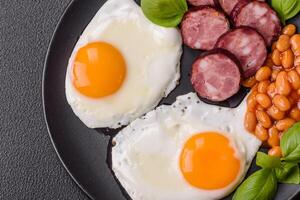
(189,150)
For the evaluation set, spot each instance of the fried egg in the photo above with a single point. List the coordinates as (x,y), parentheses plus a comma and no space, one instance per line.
(122,66)
(186,151)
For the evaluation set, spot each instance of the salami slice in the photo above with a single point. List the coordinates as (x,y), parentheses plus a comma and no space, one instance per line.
(228,5)
(261,17)
(201,2)
(216,75)
(248,46)
(201,27)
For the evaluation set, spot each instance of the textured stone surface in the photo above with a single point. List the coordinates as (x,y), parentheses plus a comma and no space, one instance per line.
(29,167)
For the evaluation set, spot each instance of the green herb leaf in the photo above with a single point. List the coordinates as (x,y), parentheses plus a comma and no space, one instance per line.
(261,185)
(294,156)
(288,173)
(265,161)
(290,144)
(286,8)
(167,13)
(292,8)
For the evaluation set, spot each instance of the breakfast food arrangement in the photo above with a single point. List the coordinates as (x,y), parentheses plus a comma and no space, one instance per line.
(127,61)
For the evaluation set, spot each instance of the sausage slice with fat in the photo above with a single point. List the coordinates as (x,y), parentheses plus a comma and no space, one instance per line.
(201,27)
(259,16)
(248,46)
(216,75)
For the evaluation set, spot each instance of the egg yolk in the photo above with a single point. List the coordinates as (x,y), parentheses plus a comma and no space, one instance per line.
(208,161)
(99,70)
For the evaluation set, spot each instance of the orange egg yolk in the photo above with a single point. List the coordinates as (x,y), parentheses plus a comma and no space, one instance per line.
(208,161)
(99,70)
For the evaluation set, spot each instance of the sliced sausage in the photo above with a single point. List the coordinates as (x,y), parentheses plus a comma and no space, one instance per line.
(248,46)
(216,75)
(201,2)
(228,5)
(261,17)
(201,27)
(237,7)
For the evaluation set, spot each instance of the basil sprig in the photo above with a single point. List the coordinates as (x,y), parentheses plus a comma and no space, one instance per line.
(288,173)
(290,144)
(265,161)
(286,8)
(167,13)
(262,185)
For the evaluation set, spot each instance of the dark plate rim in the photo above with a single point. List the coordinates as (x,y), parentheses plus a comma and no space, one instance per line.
(47,58)
(53,37)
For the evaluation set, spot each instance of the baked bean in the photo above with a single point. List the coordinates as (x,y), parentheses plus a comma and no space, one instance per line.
(283,43)
(263,86)
(287,59)
(250,122)
(274,74)
(275,151)
(263,73)
(276,57)
(250,82)
(253,92)
(263,100)
(289,30)
(261,133)
(295,44)
(273,137)
(297,61)
(295,114)
(263,118)
(275,113)
(285,124)
(282,84)
(271,90)
(281,102)
(294,79)
(251,101)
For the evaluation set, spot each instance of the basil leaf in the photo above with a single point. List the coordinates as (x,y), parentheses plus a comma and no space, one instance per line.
(286,9)
(290,144)
(167,13)
(288,173)
(262,185)
(293,12)
(294,156)
(265,161)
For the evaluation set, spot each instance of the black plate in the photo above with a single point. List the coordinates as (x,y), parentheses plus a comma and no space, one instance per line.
(83,151)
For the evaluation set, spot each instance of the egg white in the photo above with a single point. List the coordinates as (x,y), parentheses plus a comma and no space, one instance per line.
(145,158)
(152,54)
